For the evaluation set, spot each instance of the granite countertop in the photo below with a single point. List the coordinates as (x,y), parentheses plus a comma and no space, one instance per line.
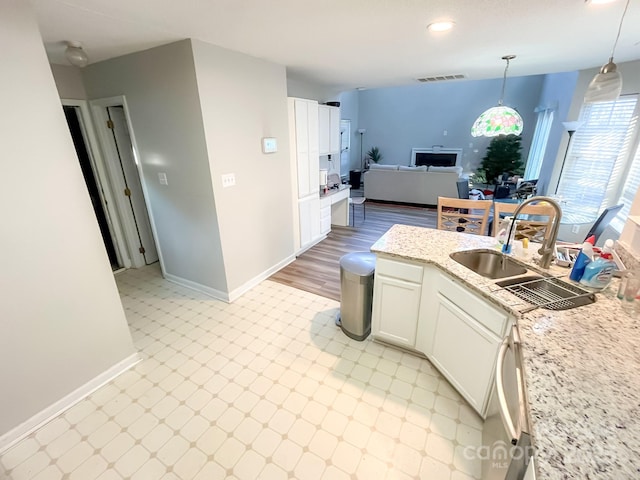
(582,366)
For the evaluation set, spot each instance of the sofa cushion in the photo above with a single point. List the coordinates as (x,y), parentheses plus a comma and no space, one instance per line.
(375,166)
(421,168)
(458,170)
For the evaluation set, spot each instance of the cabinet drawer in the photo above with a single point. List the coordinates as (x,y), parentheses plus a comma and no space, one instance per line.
(401,270)
(491,318)
(325,202)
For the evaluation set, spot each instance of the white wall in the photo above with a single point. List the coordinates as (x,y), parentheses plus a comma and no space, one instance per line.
(244,99)
(69,82)
(61,320)
(398,119)
(162,95)
(349,111)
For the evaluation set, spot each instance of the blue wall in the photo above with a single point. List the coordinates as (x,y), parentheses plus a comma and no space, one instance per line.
(398,119)
(557,90)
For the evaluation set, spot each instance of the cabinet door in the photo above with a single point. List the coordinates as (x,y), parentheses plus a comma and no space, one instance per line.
(309,218)
(465,352)
(334,130)
(324,129)
(314,158)
(395,310)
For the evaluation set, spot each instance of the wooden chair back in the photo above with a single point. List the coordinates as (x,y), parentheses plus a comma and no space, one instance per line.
(463,215)
(536,229)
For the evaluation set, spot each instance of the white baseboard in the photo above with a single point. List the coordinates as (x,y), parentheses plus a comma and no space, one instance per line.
(198,287)
(49,413)
(238,292)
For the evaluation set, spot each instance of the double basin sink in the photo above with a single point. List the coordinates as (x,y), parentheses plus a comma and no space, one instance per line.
(538,290)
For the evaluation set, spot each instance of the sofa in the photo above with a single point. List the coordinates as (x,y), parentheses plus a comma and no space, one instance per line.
(418,185)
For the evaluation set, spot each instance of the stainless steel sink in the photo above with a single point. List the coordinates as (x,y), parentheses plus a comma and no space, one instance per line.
(489,263)
(548,292)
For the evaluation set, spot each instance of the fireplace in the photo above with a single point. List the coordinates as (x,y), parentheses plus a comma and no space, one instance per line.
(436,157)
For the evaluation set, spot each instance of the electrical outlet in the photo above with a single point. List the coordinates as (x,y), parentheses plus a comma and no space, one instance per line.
(575,229)
(228,180)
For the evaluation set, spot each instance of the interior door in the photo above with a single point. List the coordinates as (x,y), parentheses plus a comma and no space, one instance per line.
(133,188)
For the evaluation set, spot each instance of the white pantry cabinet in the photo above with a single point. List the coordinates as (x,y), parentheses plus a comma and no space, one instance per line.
(418,306)
(329,130)
(305,168)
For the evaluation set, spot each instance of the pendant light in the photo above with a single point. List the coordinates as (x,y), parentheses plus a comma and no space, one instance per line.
(76,54)
(498,120)
(607,84)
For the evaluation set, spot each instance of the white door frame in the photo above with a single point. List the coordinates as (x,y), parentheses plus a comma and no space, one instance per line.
(99,167)
(110,152)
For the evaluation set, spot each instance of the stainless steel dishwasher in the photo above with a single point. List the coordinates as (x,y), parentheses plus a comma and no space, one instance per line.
(507,453)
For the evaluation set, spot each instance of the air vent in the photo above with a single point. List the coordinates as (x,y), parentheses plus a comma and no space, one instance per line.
(442,78)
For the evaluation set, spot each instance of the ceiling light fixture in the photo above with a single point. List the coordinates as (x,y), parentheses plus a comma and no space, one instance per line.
(442,26)
(498,120)
(76,55)
(607,84)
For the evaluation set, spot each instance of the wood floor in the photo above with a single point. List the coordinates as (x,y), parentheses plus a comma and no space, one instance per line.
(318,269)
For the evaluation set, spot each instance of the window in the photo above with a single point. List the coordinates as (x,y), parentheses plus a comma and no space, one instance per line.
(599,159)
(539,143)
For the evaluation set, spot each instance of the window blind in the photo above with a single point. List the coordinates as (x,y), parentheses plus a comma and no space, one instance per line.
(629,190)
(596,159)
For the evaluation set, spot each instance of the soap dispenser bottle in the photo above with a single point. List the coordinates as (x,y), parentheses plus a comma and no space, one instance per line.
(584,258)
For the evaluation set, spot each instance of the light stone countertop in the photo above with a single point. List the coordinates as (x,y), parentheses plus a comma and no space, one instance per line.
(582,366)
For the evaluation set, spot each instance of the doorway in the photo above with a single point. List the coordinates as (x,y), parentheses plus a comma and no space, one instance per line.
(77,129)
(125,176)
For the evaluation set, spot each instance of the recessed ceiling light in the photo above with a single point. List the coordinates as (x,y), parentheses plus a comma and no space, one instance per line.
(440,26)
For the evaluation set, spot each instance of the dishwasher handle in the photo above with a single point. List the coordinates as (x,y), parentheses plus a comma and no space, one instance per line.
(509,425)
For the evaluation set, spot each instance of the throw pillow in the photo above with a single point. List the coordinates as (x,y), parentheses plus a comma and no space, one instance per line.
(375,166)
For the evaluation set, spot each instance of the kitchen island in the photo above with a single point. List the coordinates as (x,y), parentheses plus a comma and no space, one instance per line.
(581,365)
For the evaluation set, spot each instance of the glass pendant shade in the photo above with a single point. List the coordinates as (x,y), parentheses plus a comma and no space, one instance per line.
(496,121)
(76,55)
(605,86)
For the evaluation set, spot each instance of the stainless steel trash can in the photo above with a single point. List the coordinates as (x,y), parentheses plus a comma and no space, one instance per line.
(356,294)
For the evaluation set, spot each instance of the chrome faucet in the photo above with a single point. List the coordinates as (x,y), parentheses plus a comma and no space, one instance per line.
(547,248)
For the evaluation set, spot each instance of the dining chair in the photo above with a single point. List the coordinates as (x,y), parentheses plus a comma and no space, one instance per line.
(536,227)
(463,215)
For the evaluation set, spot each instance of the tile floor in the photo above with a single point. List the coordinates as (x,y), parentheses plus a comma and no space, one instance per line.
(265,388)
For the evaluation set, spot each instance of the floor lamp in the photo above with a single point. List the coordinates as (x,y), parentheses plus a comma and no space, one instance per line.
(361,131)
(571,128)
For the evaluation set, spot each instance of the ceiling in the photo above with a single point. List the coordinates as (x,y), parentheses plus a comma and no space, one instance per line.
(349,44)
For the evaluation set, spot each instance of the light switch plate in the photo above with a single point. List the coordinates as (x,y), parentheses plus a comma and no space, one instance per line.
(269,145)
(162,178)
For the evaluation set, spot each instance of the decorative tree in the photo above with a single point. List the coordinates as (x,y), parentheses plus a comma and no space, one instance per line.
(374,155)
(503,156)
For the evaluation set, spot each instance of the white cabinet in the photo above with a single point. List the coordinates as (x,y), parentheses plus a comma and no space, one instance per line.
(396,301)
(309,221)
(420,307)
(303,117)
(329,130)
(325,215)
(461,336)
(464,351)
(305,168)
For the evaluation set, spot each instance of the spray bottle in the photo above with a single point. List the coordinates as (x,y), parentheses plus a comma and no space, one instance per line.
(584,258)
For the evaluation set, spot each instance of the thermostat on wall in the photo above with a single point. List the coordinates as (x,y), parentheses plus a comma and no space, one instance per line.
(269,145)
